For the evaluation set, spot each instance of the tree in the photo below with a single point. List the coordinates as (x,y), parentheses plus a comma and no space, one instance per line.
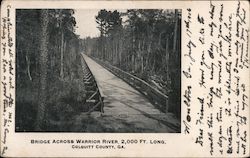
(109,24)
(43,67)
(66,23)
(101,20)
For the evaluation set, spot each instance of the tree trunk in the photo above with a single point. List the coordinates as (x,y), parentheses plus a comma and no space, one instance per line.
(175,30)
(116,51)
(142,64)
(28,59)
(62,49)
(133,61)
(142,56)
(28,67)
(43,68)
(112,51)
(63,56)
(167,57)
(167,68)
(120,51)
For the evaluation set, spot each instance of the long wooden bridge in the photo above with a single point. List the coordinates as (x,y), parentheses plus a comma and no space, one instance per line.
(123,108)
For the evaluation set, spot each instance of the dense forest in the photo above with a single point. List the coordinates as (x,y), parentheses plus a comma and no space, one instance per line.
(143,42)
(48,68)
(50,90)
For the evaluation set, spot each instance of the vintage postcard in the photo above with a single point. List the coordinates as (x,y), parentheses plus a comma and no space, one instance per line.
(124,78)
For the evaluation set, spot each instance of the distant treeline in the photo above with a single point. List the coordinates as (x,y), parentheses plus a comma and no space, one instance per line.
(47,62)
(143,42)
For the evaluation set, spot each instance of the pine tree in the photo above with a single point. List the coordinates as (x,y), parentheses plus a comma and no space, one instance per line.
(43,68)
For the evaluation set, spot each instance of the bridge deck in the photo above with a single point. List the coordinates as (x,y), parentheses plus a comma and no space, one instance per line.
(126,109)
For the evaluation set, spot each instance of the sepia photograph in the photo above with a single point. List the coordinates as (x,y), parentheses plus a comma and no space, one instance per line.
(98,70)
(112,78)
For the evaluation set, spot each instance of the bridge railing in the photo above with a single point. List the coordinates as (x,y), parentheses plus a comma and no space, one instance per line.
(157,98)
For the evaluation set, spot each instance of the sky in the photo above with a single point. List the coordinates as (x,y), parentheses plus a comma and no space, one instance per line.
(85,22)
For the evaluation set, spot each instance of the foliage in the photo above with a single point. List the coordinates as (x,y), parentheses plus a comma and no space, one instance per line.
(67,98)
(62,62)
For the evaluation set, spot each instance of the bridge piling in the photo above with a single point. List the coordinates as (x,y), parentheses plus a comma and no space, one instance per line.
(94,101)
